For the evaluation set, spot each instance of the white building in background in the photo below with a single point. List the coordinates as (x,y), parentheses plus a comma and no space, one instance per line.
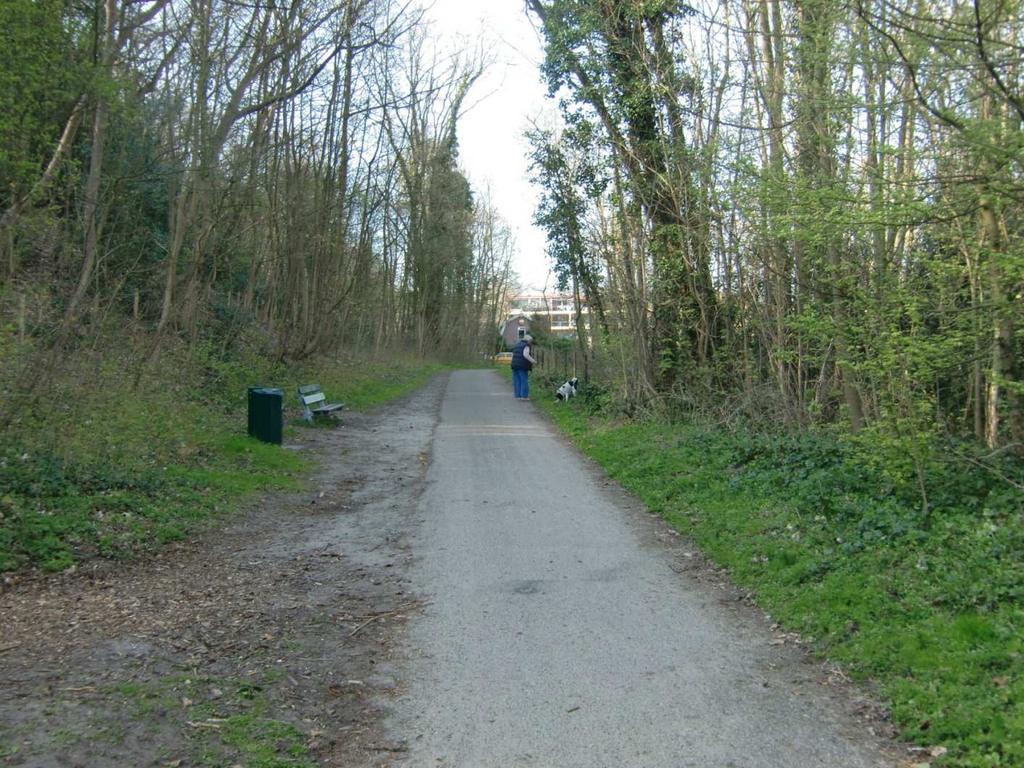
(558,310)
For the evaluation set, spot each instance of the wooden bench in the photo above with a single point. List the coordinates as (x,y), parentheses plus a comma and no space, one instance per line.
(314,402)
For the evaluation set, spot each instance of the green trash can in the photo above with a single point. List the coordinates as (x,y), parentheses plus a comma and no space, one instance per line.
(266,407)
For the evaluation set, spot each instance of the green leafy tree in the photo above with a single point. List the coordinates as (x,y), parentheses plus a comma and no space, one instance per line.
(615,62)
(38,89)
(567,183)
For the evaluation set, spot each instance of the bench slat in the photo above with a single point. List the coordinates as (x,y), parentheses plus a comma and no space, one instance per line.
(310,395)
(329,408)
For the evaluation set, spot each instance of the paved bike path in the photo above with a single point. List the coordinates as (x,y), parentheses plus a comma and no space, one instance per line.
(558,631)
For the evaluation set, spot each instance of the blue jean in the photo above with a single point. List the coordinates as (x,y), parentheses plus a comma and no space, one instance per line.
(520,382)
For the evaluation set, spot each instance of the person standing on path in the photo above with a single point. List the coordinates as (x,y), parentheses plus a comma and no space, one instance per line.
(522,362)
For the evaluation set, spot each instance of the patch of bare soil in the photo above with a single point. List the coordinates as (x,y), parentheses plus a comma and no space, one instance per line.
(261,638)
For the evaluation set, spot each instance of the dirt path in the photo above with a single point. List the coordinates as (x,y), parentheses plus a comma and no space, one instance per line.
(242,647)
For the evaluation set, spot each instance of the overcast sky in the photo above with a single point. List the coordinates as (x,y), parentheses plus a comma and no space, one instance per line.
(492,149)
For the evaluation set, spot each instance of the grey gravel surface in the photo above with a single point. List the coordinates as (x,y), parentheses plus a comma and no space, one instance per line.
(558,630)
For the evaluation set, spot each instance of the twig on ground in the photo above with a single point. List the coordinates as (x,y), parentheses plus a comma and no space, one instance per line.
(384,615)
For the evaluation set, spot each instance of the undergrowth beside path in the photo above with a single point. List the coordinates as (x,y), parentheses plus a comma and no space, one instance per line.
(100,467)
(925,600)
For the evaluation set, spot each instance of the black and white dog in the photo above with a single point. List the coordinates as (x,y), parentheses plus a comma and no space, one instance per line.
(567,390)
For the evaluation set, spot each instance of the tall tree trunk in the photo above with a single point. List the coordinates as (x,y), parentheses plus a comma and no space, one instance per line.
(91,194)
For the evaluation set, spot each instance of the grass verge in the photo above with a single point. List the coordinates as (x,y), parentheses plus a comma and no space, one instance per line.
(924,600)
(104,468)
